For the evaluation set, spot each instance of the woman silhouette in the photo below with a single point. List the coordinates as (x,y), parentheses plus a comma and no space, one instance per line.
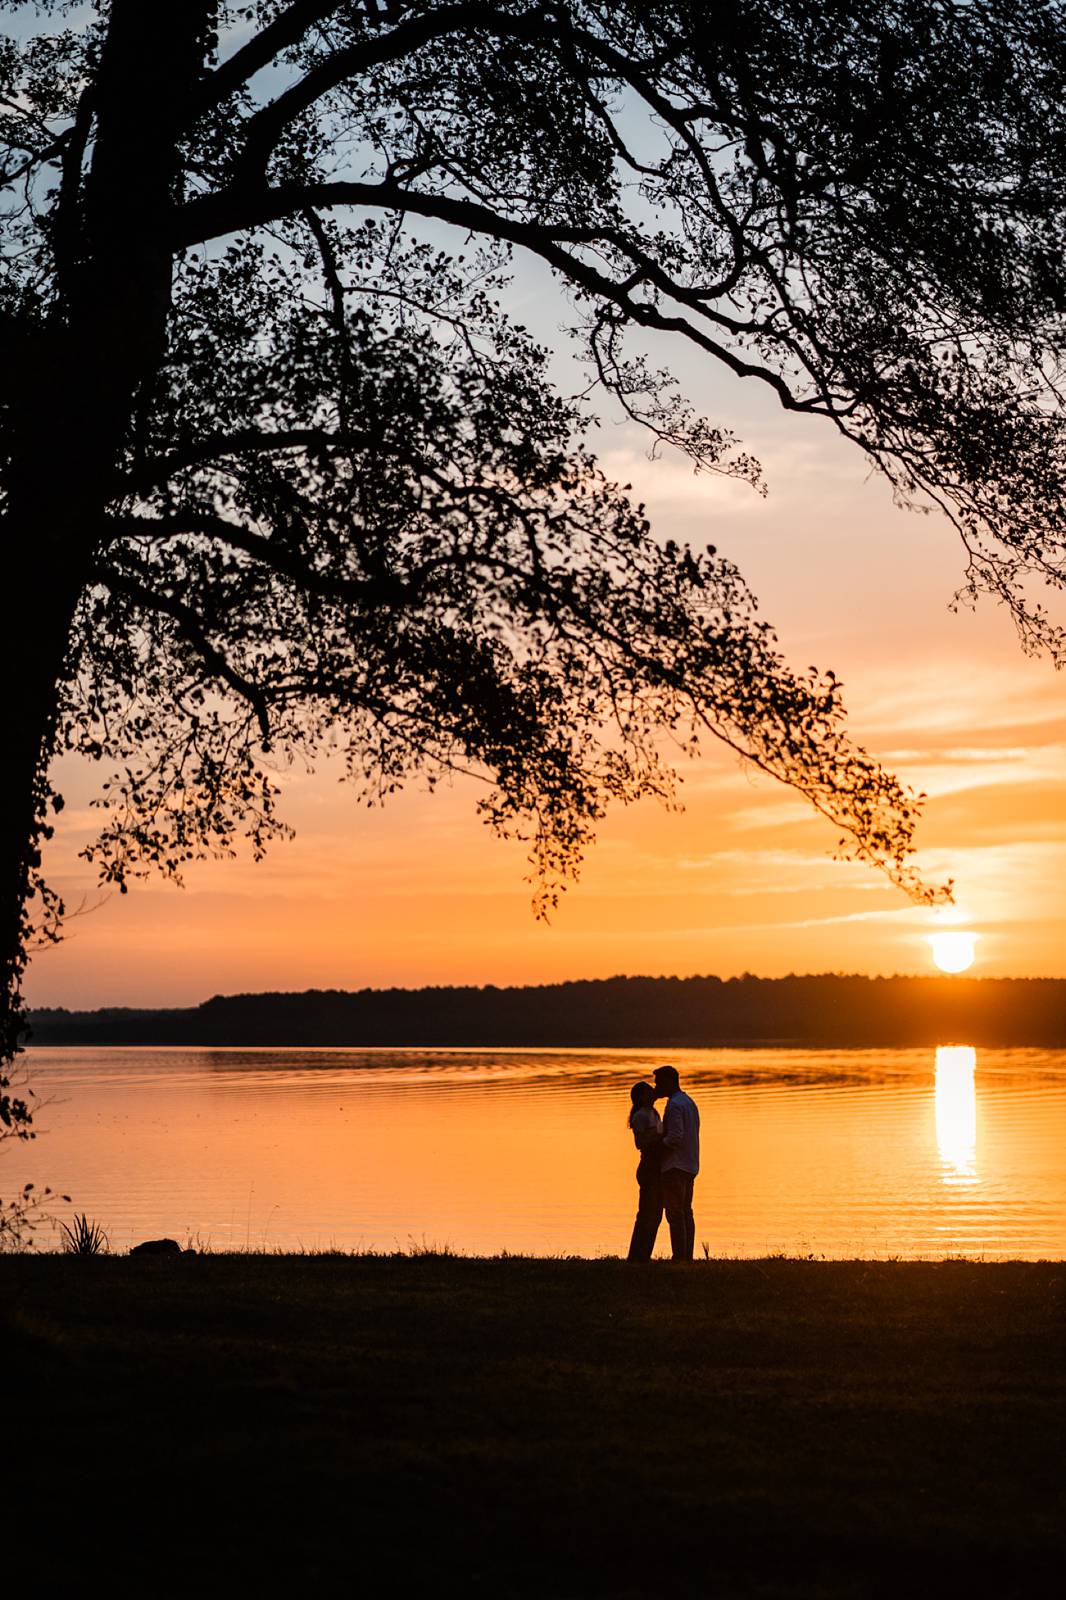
(647,1132)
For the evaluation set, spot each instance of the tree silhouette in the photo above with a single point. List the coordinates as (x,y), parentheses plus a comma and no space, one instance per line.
(278,469)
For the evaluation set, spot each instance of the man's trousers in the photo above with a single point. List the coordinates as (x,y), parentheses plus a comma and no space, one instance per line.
(677,1202)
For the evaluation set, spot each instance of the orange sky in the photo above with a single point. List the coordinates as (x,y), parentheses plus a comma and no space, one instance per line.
(743,879)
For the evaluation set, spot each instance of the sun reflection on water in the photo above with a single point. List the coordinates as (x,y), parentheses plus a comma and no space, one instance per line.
(956,1112)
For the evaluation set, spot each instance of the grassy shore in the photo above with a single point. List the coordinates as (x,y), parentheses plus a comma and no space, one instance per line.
(532,1428)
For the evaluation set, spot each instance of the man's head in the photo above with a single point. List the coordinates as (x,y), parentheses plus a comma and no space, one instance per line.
(667,1081)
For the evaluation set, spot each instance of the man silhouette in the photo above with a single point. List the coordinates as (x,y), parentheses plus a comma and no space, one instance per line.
(681,1160)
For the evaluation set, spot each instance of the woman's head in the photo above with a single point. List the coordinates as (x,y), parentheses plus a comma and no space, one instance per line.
(642,1094)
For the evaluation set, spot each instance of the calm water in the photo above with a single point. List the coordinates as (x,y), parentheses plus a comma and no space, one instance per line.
(840,1153)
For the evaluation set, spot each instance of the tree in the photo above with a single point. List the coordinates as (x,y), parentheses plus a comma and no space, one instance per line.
(278,469)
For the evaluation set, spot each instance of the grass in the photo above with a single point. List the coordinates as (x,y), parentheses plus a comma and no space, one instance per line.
(536,1428)
(83,1238)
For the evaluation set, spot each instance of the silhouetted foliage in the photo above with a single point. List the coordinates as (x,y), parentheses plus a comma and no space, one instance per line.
(278,471)
(21,1217)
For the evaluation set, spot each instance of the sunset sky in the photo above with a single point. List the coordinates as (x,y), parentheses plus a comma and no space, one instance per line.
(743,879)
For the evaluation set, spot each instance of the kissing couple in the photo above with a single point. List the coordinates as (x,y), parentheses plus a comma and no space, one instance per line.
(669,1148)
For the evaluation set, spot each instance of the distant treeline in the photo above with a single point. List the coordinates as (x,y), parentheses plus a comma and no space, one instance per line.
(831,1009)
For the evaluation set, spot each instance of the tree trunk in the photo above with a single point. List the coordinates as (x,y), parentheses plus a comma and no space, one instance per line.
(30,664)
(78,378)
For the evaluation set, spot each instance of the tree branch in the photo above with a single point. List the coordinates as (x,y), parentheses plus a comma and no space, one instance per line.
(362,592)
(190,628)
(330,269)
(287,29)
(236,209)
(265,127)
(215,446)
(67,221)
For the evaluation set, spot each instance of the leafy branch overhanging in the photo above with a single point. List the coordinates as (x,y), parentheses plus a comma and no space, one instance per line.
(318,485)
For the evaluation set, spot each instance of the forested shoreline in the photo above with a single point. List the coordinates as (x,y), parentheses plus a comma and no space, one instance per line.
(817,1010)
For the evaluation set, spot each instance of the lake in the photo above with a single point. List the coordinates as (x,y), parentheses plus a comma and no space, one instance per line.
(834,1153)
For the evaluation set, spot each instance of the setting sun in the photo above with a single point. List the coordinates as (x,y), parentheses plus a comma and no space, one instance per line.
(953,952)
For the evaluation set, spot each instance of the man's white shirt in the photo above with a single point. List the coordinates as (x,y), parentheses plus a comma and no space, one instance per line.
(681,1134)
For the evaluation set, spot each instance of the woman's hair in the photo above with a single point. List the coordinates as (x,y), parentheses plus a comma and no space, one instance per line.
(640,1094)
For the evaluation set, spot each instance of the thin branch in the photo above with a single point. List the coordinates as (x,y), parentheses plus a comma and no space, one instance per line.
(366,593)
(263,130)
(189,626)
(234,210)
(216,446)
(34,158)
(330,270)
(286,30)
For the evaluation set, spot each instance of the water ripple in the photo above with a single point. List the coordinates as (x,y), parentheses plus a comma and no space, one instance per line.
(831,1153)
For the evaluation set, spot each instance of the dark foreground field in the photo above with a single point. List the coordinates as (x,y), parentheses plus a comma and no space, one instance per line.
(425,1425)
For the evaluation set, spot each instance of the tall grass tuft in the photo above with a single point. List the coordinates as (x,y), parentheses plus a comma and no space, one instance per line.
(84,1238)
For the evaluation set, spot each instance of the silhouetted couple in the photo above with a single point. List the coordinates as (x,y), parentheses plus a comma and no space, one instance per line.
(669,1161)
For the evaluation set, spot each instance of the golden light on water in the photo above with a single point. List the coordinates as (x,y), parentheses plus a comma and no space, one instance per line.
(956,1112)
(953,952)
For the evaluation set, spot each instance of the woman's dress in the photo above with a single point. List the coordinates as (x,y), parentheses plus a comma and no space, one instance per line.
(648,1137)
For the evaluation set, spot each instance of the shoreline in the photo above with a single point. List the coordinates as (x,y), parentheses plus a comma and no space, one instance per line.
(445,1252)
(808,1011)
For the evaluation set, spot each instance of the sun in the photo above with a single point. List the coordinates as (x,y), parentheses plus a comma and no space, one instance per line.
(953,952)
